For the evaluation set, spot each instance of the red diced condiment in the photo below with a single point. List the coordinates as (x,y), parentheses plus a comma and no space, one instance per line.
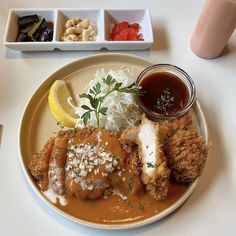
(135,26)
(122,36)
(122,25)
(123,31)
(140,37)
(132,34)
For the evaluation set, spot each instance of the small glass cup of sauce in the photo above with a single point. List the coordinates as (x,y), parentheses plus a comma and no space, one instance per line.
(167,91)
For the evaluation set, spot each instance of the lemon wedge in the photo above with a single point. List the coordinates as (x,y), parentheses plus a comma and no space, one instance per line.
(58,103)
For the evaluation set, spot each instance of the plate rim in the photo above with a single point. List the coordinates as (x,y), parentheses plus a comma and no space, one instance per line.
(121,225)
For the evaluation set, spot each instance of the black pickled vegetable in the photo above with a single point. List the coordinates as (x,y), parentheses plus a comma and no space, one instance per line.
(32,28)
(40,29)
(23,38)
(46,35)
(25,21)
(27,28)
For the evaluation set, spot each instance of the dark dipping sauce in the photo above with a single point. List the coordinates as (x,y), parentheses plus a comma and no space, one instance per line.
(163,93)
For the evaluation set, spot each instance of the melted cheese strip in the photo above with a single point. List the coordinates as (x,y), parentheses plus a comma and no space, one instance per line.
(148,145)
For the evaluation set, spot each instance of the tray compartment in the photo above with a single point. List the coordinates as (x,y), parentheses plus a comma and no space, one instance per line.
(141,16)
(12,29)
(96,16)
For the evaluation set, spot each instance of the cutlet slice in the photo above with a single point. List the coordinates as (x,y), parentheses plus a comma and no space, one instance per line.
(39,164)
(128,139)
(184,123)
(186,153)
(129,135)
(155,174)
(56,173)
(169,127)
(184,148)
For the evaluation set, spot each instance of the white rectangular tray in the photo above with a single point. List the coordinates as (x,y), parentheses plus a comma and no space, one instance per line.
(103,18)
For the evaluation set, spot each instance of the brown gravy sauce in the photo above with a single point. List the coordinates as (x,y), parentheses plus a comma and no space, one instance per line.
(113,209)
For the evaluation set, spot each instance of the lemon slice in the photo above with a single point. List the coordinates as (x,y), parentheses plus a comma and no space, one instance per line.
(58,104)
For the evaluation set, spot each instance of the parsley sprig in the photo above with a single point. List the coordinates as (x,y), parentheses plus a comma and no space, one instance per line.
(165,101)
(150,165)
(96,99)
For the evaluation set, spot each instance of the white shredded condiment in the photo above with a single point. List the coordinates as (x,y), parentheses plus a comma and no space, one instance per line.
(123,111)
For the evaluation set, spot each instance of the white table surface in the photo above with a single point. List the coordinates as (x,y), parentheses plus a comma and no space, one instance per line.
(211,210)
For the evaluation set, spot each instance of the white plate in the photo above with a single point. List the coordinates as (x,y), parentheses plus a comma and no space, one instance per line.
(38,124)
(103,18)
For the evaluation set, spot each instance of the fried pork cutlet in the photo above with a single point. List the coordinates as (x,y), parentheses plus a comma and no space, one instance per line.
(155,173)
(185,150)
(128,139)
(129,135)
(92,162)
(47,167)
(168,128)
(89,162)
(56,173)
(148,138)
(81,180)
(80,162)
(134,182)
(39,164)
(182,123)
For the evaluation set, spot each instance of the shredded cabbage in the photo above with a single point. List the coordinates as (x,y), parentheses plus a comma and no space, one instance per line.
(123,111)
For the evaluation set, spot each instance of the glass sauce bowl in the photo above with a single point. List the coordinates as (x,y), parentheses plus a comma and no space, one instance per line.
(167,91)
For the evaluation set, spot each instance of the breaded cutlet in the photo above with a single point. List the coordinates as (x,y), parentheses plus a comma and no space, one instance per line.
(155,173)
(39,164)
(185,149)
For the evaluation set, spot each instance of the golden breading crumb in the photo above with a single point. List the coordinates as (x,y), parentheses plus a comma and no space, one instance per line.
(39,164)
(114,134)
(83,132)
(128,139)
(186,152)
(129,135)
(135,167)
(159,184)
(155,173)
(56,172)
(182,123)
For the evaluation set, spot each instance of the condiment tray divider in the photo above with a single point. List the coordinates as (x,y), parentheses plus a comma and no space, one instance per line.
(103,18)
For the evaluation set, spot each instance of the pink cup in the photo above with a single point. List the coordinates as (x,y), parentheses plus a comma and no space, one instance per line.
(216,24)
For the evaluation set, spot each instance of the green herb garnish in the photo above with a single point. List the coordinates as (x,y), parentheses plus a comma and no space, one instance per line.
(57,153)
(96,99)
(150,165)
(130,184)
(79,190)
(150,153)
(165,101)
(141,207)
(60,125)
(130,181)
(128,204)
